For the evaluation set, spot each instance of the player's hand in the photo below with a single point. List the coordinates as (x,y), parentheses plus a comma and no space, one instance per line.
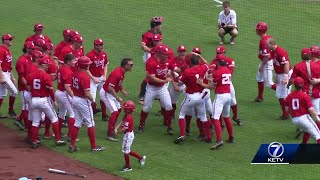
(119,99)
(200,81)
(104,79)
(176,88)
(284,82)
(124,93)
(313,81)
(168,79)
(116,131)
(2,80)
(96,80)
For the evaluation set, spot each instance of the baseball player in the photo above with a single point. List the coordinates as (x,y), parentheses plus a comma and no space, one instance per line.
(23,70)
(48,51)
(64,92)
(194,97)
(98,74)
(39,43)
(82,105)
(7,79)
(231,65)
(108,94)
(315,54)
(40,85)
(126,126)
(66,40)
(157,72)
(38,28)
(282,67)
(265,68)
(302,112)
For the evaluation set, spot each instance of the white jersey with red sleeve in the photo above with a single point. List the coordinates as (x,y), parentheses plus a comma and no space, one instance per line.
(280,58)
(160,70)
(263,49)
(99,62)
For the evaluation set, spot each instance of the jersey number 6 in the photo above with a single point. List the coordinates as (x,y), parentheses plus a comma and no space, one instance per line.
(36,84)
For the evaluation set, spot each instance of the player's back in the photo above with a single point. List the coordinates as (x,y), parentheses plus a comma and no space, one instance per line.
(39,81)
(191,75)
(80,83)
(222,78)
(298,103)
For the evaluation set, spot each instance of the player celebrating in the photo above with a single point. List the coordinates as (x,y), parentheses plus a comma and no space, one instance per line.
(38,28)
(7,79)
(281,64)
(157,72)
(82,105)
(40,85)
(98,73)
(126,126)
(109,96)
(301,110)
(66,40)
(264,74)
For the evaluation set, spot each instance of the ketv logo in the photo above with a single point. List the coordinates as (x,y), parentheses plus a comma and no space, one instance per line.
(275,150)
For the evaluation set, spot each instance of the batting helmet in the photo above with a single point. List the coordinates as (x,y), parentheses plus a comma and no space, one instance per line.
(84,62)
(298,81)
(128,106)
(36,54)
(197,50)
(39,42)
(261,27)
(7,37)
(221,50)
(47,46)
(315,51)
(98,42)
(38,27)
(43,60)
(182,48)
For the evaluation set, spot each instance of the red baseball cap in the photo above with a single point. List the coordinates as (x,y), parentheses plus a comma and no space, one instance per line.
(220,58)
(29,45)
(38,26)
(7,37)
(160,48)
(315,51)
(39,42)
(47,46)
(74,32)
(43,60)
(197,50)
(157,37)
(306,51)
(298,81)
(67,32)
(182,48)
(98,42)
(77,38)
(220,49)
(36,54)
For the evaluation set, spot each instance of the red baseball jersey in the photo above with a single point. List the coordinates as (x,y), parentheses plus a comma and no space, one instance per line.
(52,68)
(68,50)
(300,70)
(40,83)
(176,63)
(299,103)
(160,70)
(190,76)
(222,78)
(80,83)
(115,79)
(59,48)
(5,58)
(35,37)
(64,77)
(147,38)
(127,123)
(99,62)
(263,49)
(22,70)
(228,60)
(280,58)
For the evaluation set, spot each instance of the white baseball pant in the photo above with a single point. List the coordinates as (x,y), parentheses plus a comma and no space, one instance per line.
(23,100)
(112,104)
(221,104)
(82,112)
(94,87)
(7,85)
(282,91)
(207,100)
(64,104)
(28,97)
(127,142)
(146,56)
(266,76)
(41,105)
(193,101)
(316,104)
(153,92)
(174,95)
(306,123)
(233,95)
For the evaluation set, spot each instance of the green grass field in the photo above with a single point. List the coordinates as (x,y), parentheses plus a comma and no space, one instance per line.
(294,24)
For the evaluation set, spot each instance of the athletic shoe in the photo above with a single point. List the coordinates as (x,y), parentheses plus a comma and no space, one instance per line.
(141,101)
(64,125)
(179,140)
(217,145)
(257,99)
(12,114)
(232,42)
(140,129)
(105,118)
(298,133)
(230,140)
(188,133)
(142,161)
(35,145)
(98,149)
(238,121)
(60,143)
(169,131)
(110,138)
(221,42)
(126,169)
(73,149)
(19,125)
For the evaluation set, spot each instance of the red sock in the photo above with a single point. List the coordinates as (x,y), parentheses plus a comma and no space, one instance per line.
(56,131)
(47,124)
(74,136)
(143,117)
(1,101)
(318,141)
(260,89)
(136,155)
(29,128)
(127,159)
(112,122)
(168,118)
(103,109)
(182,125)
(200,127)
(71,122)
(60,124)
(217,129)
(119,111)
(235,112)
(188,121)
(305,138)
(283,107)
(34,133)
(92,137)
(11,102)
(94,106)
(229,126)
(274,86)
(207,130)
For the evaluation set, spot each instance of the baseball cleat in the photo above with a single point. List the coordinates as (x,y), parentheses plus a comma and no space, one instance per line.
(35,145)
(142,161)
(64,125)
(238,121)
(60,143)
(110,138)
(12,114)
(19,125)
(105,118)
(140,129)
(141,101)
(257,99)
(169,131)
(73,149)
(230,140)
(126,169)
(98,149)
(179,140)
(217,145)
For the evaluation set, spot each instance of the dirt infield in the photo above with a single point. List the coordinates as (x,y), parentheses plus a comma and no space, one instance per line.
(17,160)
